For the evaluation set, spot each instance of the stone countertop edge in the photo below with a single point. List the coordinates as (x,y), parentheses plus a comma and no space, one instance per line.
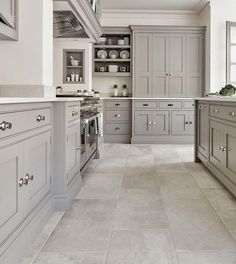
(21,100)
(216,99)
(145,98)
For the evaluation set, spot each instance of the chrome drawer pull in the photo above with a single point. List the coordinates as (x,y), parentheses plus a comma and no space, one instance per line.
(5,125)
(40,118)
(170,105)
(117,115)
(145,104)
(117,128)
(117,104)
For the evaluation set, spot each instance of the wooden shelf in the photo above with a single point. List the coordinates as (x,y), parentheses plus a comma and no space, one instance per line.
(73,82)
(112,46)
(112,74)
(112,60)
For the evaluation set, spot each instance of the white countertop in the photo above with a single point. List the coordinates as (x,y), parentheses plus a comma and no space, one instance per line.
(135,98)
(217,98)
(21,100)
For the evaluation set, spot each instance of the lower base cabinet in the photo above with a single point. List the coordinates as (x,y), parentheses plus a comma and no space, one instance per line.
(162,121)
(219,140)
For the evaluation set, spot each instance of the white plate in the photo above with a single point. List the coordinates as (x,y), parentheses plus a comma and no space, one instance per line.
(114,53)
(102,54)
(124,54)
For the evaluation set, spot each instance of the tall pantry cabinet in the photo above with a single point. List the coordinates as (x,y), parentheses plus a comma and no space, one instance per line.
(168,61)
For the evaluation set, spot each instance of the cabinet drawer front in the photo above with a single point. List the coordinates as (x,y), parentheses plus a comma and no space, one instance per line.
(117,115)
(224,112)
(117,129)
(72,112)
(145,104)
(117,104)
(188,104)
(13,123)
(170,104)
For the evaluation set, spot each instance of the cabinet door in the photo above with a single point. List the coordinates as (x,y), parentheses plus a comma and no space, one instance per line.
(143,65)
(230,153)
(7,12)
(217,136)
(161,65)
(179,123)
(11,194)
(73,152)
(203,129)
(38,165)
(142,125)
(194,65)
(177,65)
(191,118)
(160,122)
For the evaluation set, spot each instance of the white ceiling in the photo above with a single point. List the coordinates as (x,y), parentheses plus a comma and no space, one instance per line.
(154,5)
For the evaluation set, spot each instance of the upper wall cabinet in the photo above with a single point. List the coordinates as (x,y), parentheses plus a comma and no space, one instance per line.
(8,20)
(231,52)
(168,61)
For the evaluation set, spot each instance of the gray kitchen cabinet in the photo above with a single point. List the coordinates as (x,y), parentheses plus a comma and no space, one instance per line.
(216,131)
(160,122)
(8,20)
(12,197)
(203,129)
(168,62)
(142,122)
(73,152)
(161,57)
(143,65)
(38,168)
(182,122)
(117,121)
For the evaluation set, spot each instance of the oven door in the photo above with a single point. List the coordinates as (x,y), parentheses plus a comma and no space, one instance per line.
(83,133)
(92,136)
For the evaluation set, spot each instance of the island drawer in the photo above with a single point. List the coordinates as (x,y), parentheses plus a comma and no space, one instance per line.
(118,115)
(72,112)
(170,104)
(117,129)
(223,112)
(117,104)
(145,104)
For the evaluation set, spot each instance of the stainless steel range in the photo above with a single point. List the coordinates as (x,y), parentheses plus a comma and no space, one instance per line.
(90,122)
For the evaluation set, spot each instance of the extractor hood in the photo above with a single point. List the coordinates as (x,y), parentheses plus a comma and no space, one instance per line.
(75,19)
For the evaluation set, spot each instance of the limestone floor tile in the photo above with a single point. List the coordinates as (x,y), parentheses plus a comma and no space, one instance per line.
(204,178)
(79,237)
(140,150)
(141,247)
(71,258)
(116,151)
(196,226)
(207,258)
(106,186)
(141,181)
(90,211)
(140,194)
(144,161)
(110,165)
(140,214)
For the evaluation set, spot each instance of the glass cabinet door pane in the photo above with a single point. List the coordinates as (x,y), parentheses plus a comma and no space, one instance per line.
(233,35)
(233,54)
(233,73)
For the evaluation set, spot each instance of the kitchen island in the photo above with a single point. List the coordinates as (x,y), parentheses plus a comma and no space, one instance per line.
(215,137)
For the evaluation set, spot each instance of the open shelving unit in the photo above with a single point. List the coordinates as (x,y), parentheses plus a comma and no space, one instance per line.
(68,69)
(114,34)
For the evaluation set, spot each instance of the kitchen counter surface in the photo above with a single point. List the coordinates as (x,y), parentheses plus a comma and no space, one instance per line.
(21,100)
(135,98)
(216,99)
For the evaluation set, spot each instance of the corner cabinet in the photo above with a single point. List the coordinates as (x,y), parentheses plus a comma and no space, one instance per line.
(168,61)
(216,139)
(8,19)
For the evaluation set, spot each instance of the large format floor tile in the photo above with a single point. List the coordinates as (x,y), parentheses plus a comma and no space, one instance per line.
(146,204)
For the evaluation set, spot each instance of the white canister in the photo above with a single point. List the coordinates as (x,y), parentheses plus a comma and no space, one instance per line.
(77,77)
(72,76)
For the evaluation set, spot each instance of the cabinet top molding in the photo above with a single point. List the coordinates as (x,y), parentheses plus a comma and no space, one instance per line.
(169,29)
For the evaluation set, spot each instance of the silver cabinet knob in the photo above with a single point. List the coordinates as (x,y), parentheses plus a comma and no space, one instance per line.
(150,123)
(5,125)
(40,118)
(154,123)
(220,148)
(232,113)
(190,123)
(21,182)
(31,177)
(167,74)
(215,111)
(117,115)
(26,179)
(171,74)
(78,148)
(186,123)
(223,149)
(75,113)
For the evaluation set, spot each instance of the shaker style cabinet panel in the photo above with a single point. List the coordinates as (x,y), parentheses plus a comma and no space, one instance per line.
(11,194)
(182,123)
(194,56)
(203,129)
(161,44)
(143,65)
(177,69)
(8,20)
(168,64)
(38,168)
(160,122)
(73,152)
(142,122)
